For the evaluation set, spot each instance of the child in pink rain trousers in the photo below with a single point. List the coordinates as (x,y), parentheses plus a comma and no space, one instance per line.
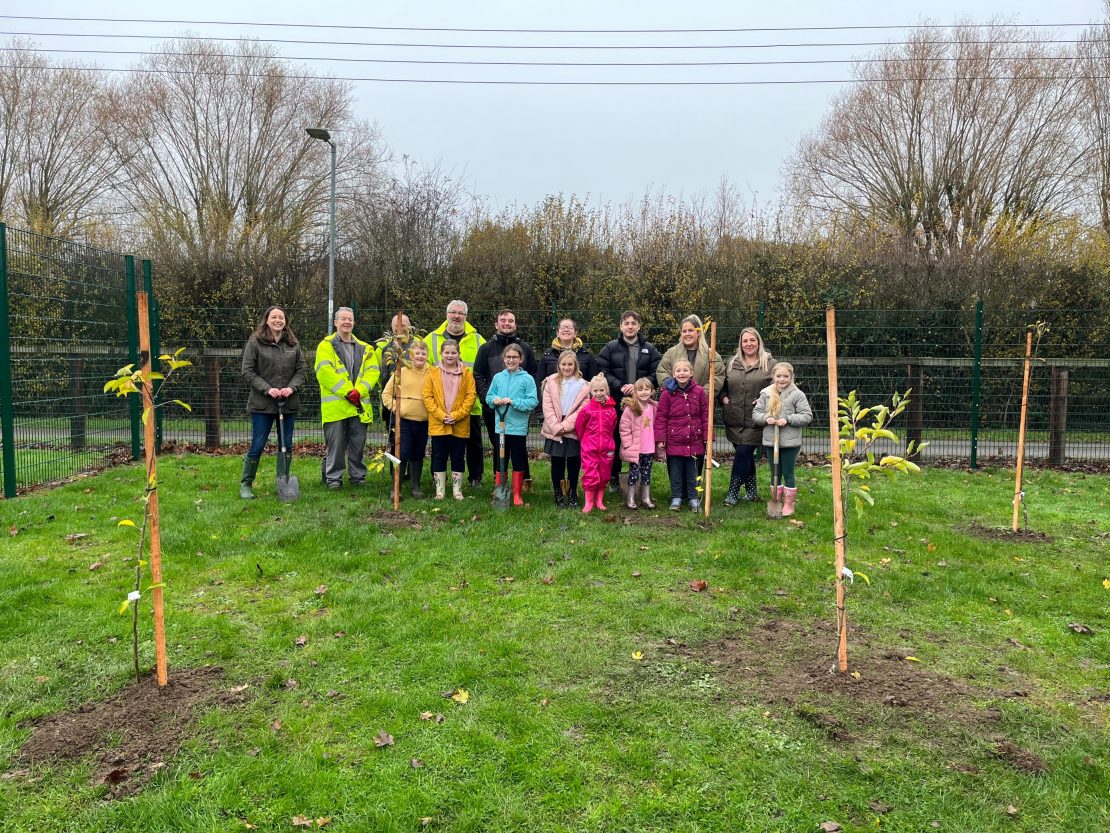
(594,426)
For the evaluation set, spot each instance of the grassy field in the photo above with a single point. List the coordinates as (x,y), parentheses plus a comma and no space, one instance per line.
(603,692)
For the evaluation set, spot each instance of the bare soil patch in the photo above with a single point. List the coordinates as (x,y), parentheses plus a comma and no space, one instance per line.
(132,733)
(1025,536)
(388,519)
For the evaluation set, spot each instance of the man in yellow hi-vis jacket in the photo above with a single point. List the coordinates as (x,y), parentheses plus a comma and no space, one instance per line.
(346,369)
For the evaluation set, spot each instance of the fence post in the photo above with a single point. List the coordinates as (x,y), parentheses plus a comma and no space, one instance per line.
(77,420)
(975,382)
(212,402)
(759,316)
(1058,416)
(7,410)
(133,405)
(915,417)
(154,314)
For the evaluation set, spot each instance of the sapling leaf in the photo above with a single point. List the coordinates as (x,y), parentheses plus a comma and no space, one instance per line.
(126,522)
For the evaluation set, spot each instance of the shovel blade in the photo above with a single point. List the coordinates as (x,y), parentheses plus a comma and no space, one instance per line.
(774,509)
(288,489)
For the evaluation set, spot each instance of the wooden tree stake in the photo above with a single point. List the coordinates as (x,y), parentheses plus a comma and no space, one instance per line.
(152,491)
(1021,426)
(398,363)
(839,529)
(707,478)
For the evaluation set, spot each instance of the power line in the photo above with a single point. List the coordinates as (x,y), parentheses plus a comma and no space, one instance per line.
(426,62)
(524,83)
(352,27)
(804,44)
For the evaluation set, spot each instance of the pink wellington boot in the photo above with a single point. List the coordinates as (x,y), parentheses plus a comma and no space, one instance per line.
(599,499)
(589,496)
(788,501)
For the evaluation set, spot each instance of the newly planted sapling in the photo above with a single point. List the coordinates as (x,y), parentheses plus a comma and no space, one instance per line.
(860,428)
(129,381)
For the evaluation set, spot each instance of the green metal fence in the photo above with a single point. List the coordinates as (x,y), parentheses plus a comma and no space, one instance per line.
(964,365)
(68,321)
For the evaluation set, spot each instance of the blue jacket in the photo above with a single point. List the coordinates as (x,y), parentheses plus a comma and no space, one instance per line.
(520,387)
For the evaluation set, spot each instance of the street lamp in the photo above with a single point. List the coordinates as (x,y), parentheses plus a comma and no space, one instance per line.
(324,136)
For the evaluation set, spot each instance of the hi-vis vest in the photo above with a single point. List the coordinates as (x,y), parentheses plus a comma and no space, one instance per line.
(469,342)
(335,382)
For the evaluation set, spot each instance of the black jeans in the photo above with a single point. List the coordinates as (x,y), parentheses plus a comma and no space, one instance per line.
(683,475)
(475,451)
(491,428)
(448,446)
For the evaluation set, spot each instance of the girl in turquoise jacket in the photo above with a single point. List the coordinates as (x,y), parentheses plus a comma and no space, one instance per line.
(512,395)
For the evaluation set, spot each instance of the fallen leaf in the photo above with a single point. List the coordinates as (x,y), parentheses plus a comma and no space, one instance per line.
(196,775)
(879,807)
(383,739)
(340,634)
(829,827)
(301,640)
(291,684)
(276,725)
(462,696)
(1106,583)
(636,574)
(426,820)
(932,547)
(638,655)
(301,821)
(1080,628)
(416,763)
(911,659)
(796,523)
(96,565)
(548,579)
(1012,810)
(856,675)
(157,765)
(544,703)
(74,537)
(321,590)
(506,580)
(239,688)
(440,718)
(248,825)
(426,715)
(699,585)
(253,751)
(935,825)
(13,531)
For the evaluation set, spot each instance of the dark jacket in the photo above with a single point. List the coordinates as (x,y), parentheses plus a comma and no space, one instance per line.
(488,363)
(682,419)
(742,387)
(268,365)
(612,362)
(549,362)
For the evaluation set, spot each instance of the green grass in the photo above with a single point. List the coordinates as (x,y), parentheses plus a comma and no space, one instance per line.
(564,729)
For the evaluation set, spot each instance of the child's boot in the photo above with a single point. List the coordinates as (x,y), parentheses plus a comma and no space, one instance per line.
(599,498)
(788,501)
(456,485)
(440,478)
(518,487)
(588,495)
(631,502)
(645,496)
(695,505)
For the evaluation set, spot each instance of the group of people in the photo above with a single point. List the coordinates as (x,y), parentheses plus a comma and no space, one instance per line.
(598,412)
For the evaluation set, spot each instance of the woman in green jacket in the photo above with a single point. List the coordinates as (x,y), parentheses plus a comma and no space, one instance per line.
(274,368)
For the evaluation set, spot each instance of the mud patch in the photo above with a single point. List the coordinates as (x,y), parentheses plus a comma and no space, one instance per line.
(642,518)
(1025,536)
(1020,759)
(132,734)
(794,664)
(388,519)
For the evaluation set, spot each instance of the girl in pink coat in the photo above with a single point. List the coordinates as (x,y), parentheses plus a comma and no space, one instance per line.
(637,432)
(594,426)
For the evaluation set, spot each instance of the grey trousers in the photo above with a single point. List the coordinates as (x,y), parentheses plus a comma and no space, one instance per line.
(346,440)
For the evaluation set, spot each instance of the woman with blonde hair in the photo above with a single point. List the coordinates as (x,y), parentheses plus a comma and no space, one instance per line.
(747,373)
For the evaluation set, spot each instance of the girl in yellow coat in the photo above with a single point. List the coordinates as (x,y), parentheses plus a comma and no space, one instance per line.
(409,400)
(449,395)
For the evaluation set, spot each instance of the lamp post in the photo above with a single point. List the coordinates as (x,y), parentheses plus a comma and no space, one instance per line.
(324,136)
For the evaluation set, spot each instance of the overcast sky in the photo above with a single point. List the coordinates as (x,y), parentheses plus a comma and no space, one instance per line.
(520,143)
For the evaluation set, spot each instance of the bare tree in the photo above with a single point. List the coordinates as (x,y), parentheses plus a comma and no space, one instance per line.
(219,168)
(952,141)
(54,162)
(1094,62)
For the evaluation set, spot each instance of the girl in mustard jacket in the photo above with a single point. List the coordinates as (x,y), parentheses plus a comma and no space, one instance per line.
(449,395)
